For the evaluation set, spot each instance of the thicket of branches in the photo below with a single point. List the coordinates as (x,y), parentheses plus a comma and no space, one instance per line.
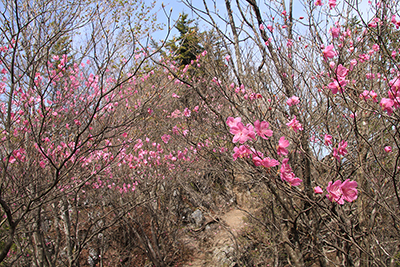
(108,145)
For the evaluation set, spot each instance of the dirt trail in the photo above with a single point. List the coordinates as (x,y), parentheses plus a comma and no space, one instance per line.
(216,244)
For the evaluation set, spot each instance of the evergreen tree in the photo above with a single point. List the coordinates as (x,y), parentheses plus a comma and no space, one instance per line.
(187,46)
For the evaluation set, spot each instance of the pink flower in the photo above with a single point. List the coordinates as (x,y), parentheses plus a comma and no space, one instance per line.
(329,52)
(187,112)
(262,129)
(262,27)
(388,149)
(295,124)
(336,154)
(387,104)
(349,190)
(335,192)
(318,3)
(365,95)
(241,152)
(336,86)
(318,190)
(242,133)
(328,139)
(342,148)
(268,162)
(341,72)
(166,138)
(294,100)
(287,174)
(332,4)
(233,121)
(338,191)
(283,144)
(335,32)
(395,84)
(373,95)
(251,132)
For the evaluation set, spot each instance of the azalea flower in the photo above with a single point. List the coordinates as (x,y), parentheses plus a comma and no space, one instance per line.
(266,162)
(262,129)
(283,144)
(335,32)
(294,100)
(335,192)
(388,149)
(241,152)
(387,104)
(342,148)
(241,133)
(287,174)
(332,4)
(318,3)
(318,190)
(329,52)
(328,139)
(233,121)
(339,192)
(166,138)
(295,124)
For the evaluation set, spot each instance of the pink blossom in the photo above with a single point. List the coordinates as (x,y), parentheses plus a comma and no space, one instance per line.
(329,52)
(283,144)
(332,4)
(395,84)
(365,95)
(336,154)
(336,86)
(335,32)
(187,112)
(393,20)
(242,133)
(295,124)
(166,138)
(328,139)
(241,152)
(387,104)
(261,27)
(335,192)
(318,3)
(262,129)
(342,148)
(388,149)
(268,162)
(339,192)
(233,121)
(373,95)
(251,133)
(287,174)
(318,190)
(294,100)
(341,72)
(349,190)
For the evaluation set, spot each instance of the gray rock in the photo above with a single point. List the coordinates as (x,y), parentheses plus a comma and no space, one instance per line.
(224,256)
(197,218)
